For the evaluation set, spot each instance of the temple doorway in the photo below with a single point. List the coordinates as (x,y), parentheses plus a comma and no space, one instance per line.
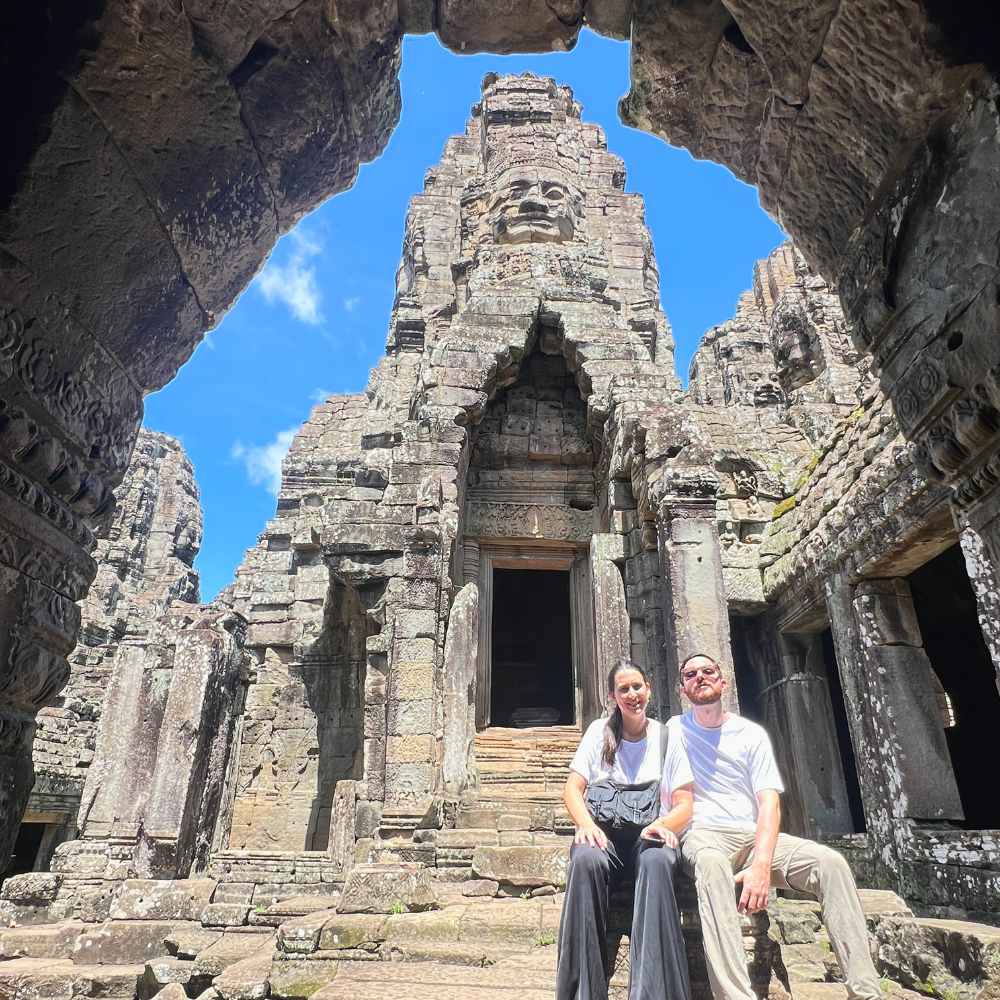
(532,658)
(24,856)
(968,701)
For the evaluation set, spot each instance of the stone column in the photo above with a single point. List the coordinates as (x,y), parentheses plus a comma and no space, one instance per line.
(904,769)
(461,654)
(891,633)
(169,716)
(980,539)
(695,610)
(801,698)
(611,620)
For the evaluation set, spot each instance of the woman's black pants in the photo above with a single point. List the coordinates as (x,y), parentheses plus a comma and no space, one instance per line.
(656,946)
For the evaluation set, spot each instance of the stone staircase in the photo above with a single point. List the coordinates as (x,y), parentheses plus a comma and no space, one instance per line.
(524,765)
(516,826)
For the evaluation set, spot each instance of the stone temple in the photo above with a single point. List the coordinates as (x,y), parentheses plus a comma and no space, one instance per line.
(355,755)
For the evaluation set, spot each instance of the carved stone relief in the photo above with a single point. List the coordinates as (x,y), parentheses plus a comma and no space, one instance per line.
(535,521)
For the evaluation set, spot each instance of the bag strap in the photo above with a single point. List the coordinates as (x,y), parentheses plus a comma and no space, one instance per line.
(664,740)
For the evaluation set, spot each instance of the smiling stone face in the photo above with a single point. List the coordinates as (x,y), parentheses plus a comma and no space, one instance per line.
(534,207)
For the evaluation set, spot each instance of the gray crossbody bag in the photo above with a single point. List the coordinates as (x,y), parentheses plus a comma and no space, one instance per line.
(627,807)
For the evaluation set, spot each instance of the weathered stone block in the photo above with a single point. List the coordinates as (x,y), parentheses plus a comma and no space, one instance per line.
(47,941)
(407,718)
(409,782)
(225,915)
(343,931)
(409,680)
(300,935)
(122,942)
(410,749)
(233,892)
(381,888)
(522,866)
(246,979)
(231,948)
(796,921)
(187,940)
(163,971)
(301,977)
(150,899)
(31,889)
(285,633)
(480,887)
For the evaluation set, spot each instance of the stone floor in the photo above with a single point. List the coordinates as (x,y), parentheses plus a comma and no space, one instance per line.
(468,948)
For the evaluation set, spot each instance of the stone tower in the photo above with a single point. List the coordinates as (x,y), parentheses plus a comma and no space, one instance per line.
(526,298)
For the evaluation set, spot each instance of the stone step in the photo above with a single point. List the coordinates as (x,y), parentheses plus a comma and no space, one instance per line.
(497,813)
(529,977)
(41,940)
(122,942)
(62,979)
(525,763)
(229,949)
(249,977)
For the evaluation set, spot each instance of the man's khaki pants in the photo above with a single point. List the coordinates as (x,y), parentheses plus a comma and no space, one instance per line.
(713,856)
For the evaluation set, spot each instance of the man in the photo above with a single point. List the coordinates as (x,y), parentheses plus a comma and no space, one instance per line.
(734,829)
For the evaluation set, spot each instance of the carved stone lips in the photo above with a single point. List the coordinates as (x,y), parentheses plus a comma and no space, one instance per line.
(531,217)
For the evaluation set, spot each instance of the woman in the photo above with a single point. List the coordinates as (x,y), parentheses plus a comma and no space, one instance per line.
(625,749)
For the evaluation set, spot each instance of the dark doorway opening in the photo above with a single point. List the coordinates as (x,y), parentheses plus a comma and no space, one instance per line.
(748,683)
(532,661)
(848,761)
(949,625)
(22,859)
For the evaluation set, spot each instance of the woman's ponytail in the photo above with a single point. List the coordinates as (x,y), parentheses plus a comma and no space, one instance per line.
(614,729)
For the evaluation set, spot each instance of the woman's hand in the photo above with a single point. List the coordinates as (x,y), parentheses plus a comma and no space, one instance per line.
(663,834)
(590,833)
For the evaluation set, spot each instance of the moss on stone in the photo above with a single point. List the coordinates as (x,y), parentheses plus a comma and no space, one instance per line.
(782,507)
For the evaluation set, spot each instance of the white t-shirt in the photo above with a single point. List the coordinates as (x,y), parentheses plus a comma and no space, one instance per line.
(731,765)
(635,763)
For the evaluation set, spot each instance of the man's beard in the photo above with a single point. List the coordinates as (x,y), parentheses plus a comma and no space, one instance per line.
(705,696)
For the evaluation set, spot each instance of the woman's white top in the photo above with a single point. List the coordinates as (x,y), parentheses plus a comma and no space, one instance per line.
(636,762)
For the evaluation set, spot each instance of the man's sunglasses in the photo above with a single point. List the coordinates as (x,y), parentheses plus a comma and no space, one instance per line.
(690,675)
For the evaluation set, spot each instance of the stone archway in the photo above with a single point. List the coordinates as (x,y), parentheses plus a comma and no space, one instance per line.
(163,149)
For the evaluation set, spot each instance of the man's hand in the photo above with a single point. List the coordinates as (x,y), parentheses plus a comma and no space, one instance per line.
(756,881)
(663,834)
(592,834)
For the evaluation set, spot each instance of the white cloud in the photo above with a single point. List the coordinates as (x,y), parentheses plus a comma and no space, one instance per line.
(320,395)
(352,303)
(294,284)
(263,462)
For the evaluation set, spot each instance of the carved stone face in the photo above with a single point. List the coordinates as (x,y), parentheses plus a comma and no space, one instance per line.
(793,348)
(535,207)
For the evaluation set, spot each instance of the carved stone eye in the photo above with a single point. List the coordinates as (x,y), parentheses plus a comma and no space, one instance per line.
(553,193)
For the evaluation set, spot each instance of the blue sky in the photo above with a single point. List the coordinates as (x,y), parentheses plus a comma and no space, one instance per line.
(314,320)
